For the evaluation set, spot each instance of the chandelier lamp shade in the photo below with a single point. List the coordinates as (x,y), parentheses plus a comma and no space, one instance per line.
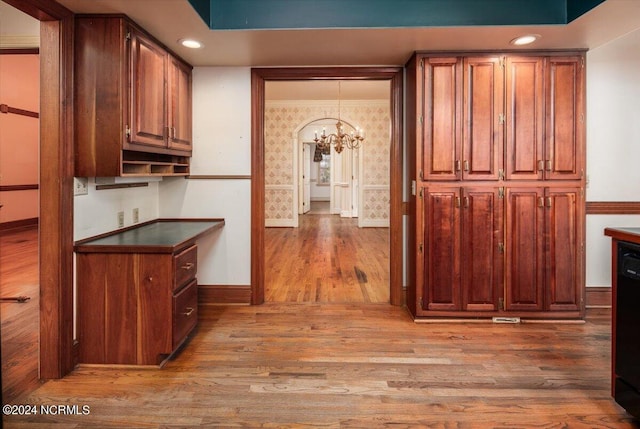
(340,139)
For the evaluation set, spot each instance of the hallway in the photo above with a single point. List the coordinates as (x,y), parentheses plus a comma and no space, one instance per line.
(327,259)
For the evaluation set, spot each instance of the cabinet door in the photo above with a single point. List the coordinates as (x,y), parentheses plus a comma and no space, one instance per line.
(442,125)
(564,118)
(148,92)
(524,118)
(441,249)
(482,250)
(524,288)
(564,230)
(179,99)
(482,141)
(155,296)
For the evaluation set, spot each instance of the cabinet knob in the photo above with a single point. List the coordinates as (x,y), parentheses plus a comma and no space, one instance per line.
(149,279)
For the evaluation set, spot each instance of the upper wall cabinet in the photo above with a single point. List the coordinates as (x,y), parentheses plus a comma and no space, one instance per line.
(493,117)
(132,102)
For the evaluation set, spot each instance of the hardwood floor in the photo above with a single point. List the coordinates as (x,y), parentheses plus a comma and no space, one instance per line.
(351,366)
(19,322)
(327,259)
(303,365)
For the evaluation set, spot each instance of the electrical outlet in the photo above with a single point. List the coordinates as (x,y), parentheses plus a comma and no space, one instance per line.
(136,215)
(120,219)
(80,186)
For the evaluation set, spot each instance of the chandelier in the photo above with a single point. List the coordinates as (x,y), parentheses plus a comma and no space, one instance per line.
(340,139)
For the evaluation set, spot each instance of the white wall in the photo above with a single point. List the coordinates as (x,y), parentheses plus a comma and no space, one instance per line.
(221,146)
(224,257)
(97,212)
(613,144)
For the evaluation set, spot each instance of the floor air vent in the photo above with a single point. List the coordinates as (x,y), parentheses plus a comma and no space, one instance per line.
(506,320)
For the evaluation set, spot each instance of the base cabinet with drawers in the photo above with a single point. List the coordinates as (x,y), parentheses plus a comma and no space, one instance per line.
(137,302)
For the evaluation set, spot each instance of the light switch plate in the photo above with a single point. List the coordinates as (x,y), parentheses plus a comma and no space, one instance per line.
(80,186)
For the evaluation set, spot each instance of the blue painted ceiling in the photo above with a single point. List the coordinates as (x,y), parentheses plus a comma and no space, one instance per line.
(306,14)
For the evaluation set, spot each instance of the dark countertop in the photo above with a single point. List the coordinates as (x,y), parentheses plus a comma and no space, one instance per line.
(630,234)
(157,236)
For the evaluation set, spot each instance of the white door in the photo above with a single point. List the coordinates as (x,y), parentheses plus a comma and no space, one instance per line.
(306,178)
(355,182)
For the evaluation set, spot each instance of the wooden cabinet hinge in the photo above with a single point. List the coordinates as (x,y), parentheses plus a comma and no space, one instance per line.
(501,193)
(422,63)
(128,35)
(421,120)
(501,174)
(501,119)
(420,247)
(421,193)
(501,247)
(502,61)
(421,175)
(582,62)
(127,132)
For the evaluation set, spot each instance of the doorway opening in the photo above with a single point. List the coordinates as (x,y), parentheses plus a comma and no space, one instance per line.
(393,76)
(334,257)
(325,177)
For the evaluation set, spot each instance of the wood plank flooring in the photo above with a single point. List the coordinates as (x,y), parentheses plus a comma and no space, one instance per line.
(19,322)
(351,366)
(327,259)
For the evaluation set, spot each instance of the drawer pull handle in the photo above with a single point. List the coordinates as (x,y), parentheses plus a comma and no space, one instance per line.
(189,311)
(188,266)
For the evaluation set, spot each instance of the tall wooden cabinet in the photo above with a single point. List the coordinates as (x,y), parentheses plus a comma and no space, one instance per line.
(132,101)
(497,153)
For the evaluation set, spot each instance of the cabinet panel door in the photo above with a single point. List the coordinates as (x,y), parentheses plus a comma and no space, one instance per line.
(179,105)
(524,118)
(483,104)
(148,92)
(442,249)
(481,253)
(155,296)
(525,249)
(564,230)
(442,119)
(565,118)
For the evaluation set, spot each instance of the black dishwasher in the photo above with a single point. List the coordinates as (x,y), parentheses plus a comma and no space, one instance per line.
(627,329)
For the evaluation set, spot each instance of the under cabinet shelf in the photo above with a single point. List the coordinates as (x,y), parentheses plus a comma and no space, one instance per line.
(144,164)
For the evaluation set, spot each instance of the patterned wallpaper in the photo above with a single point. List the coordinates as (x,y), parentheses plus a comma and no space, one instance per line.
(283,118)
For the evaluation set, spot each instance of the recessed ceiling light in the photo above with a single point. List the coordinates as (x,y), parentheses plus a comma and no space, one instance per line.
(525,40)
(190,43)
